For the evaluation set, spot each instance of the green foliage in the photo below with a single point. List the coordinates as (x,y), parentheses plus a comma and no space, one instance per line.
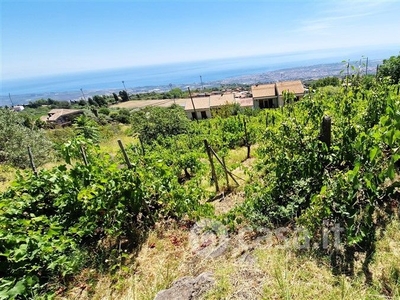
(153,122)
(49,102)
(226,110)
(76,215)
(391,68)
(122,116)
(353,183)
(15,139)
(327,81)
(104,111)
(86,128)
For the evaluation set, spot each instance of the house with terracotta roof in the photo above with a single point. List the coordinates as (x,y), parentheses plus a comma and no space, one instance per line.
(272,95)
(198,108)
(264,96)
(294,87)
(61,117)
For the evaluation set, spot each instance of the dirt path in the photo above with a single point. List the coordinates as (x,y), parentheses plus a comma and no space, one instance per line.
(135,104)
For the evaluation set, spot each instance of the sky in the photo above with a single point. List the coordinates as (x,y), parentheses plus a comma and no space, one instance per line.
(55,37)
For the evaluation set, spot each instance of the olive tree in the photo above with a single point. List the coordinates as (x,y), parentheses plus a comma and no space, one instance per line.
(15,139)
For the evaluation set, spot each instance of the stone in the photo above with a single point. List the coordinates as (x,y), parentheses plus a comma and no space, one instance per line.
(188,288)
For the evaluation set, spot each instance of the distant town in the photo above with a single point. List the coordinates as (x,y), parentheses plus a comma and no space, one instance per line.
(304,74)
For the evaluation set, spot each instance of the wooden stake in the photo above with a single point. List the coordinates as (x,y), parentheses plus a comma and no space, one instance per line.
(246,134)
(142,146)
(31,161)
(128,162)
(223,165)
(213,174)
(84,156)
(226,173)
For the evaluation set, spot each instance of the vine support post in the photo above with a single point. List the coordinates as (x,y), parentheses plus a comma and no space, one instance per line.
(84,156)
(32,162)
(213,173)
(128,162)
(142,146)
(223,165)
(246,134)
(226,173)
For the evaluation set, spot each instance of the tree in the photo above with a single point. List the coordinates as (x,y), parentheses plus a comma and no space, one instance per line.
(124,96)
(15,139)
(116,99)
(92,102)
(100,100)
(175,93)
(327,81)
(152,122)
(391,68)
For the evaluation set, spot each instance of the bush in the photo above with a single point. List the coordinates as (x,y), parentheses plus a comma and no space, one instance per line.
(104,111)
(152,122)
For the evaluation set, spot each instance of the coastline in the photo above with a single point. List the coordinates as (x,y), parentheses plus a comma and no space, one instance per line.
(94,83)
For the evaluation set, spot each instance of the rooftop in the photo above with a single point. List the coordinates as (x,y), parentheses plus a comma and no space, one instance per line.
(263,90)
(54,114)
(222,99)
(199,103)
(291,86)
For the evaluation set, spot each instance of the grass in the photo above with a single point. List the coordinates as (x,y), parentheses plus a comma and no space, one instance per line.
(7,175)
(268,271)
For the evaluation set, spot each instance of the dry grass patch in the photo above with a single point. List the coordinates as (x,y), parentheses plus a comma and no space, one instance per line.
(7,175)
(160,261)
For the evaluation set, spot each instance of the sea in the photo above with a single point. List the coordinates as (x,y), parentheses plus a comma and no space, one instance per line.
(73,86)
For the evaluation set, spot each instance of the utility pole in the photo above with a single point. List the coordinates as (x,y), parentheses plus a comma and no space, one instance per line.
(201,81)
(83,95)
(123,82)
(366,67)
(9,96)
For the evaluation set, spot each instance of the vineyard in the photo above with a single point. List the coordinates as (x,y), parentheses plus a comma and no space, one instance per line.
(94,209)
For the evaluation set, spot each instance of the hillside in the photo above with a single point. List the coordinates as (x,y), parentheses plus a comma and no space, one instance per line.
(264,204)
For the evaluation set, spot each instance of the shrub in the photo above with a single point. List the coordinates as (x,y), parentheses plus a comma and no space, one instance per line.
(152,122)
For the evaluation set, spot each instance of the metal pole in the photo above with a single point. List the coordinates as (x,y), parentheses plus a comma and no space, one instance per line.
(123,82)
(366,68)
(9,96)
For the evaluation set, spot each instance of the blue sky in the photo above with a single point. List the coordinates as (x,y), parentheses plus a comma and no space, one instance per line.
(53,37)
